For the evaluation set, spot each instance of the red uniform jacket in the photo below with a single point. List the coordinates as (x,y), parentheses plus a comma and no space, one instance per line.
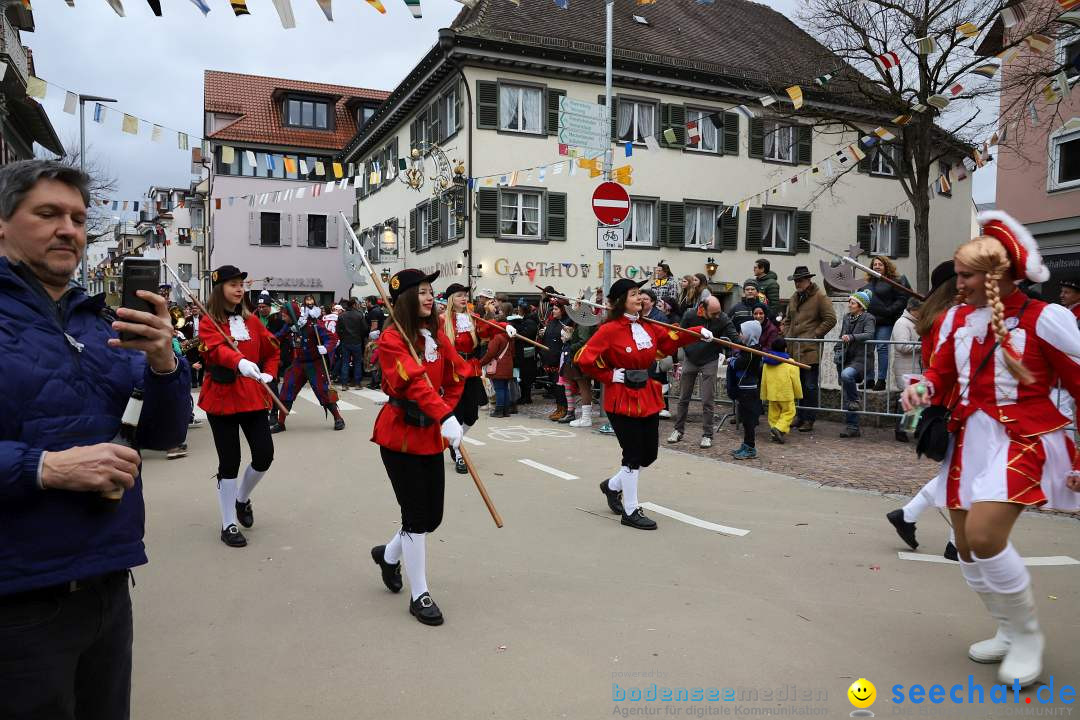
(403,378)
(1045,338)
(612,346)
(243,394)
(463,341)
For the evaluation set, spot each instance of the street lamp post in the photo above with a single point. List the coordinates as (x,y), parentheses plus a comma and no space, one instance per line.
(83,99)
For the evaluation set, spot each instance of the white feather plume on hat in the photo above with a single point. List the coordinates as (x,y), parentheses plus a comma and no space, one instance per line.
(1034,268)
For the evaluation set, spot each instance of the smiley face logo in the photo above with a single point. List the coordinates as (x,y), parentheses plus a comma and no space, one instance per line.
(862,693)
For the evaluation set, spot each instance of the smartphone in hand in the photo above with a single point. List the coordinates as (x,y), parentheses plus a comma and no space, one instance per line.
(138,274)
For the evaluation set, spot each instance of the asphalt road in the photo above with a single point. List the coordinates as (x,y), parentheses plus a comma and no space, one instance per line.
(563,609)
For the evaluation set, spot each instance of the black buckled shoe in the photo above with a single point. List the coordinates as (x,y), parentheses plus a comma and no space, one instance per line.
(244,513)
(339,424)
(460,466)
(638,519)
(391,572)
(276,428)
(951,553)
(904,529)
(425,610)
(232,537)
(614,498)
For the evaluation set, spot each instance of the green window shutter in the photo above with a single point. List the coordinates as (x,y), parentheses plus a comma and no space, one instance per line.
(412,230)
(553,110)
(412,135)
(757,140)
(487,212)
(672,224)
(729,231)
(433,124)
(731,133)
(459,113)
(805,143)
(555,220)
(753,229)
(802,230)
(487,105)
(903,238)
(862,232)
(433,223)
(459,213)
(674,117)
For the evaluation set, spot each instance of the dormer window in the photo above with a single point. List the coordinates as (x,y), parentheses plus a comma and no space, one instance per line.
(307,113)
(363,114)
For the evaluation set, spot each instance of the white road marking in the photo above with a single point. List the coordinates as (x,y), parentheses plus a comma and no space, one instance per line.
(308,395)
(1030,562)
(470,441)
(691,520)
(550,470)
(373,395)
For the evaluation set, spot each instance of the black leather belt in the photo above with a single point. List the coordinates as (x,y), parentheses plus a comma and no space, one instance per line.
(221,374)
(476,354)
(636,379)
(413,414)
(62,589)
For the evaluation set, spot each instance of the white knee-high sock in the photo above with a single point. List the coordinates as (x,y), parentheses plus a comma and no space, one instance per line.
(465,428)
(973,576)
(227,500)
(412,548)
(1005,573)
(248,483)
(916,506)
(629,491)
(615,482)
(392,553)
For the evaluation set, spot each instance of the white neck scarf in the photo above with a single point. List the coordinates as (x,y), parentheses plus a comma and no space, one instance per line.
(642,338)
(431,347)
(238,328)
(462,322)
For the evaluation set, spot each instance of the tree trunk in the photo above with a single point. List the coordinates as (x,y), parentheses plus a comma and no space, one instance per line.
(921,209)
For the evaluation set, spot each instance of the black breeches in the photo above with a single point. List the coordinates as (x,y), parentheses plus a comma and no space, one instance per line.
(256,428)
(468,408)
(639,438)
(419,485)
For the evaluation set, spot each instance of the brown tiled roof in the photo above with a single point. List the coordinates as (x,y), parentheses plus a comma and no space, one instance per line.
(730,37)
(252,97)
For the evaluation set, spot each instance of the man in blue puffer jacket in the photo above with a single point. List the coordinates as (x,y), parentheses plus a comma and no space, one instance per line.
(65,379)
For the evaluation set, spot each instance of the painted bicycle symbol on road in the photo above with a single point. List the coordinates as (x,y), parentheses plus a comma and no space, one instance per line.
(520,433)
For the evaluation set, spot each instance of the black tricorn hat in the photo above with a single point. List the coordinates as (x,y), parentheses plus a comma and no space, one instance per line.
(455,288)
(1071,283)
(621,287)
(943,273)
(801,271)
(225,273)
(408,278)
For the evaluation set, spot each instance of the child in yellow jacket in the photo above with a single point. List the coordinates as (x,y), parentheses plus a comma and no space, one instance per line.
(780,388)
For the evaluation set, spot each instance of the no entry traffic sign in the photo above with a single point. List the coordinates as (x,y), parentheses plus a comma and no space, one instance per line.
(610,203)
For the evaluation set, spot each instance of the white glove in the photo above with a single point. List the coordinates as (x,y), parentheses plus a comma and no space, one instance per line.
(266,378)
(706,334)
(618,375)
(511,330)
(451,430)
(248,369)
(302,320)
(322,349)
(314,312)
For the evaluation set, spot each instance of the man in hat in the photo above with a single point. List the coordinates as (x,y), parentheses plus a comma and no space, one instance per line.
(744,309)
(312,344)
(809,314)
(263,309)
(1070,295)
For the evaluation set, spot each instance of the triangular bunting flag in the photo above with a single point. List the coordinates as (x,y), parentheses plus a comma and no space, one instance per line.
(414,8)
(795,93)
(377,5)
(324,5)
(130,124)
(71,102)
(35,87)
(887,60)
(239,7)
(285,13)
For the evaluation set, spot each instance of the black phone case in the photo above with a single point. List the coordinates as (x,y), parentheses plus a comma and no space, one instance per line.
(138,275)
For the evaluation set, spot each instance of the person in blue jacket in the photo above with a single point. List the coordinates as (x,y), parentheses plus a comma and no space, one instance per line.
(66,379)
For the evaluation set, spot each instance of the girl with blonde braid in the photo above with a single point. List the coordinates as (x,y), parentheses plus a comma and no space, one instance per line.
(996,356)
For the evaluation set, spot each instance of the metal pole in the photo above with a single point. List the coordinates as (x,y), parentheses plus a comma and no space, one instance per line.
(82,167)
(608,155)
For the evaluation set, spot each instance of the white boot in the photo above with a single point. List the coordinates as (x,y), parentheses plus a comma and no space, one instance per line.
(586,417)
(994,649)
(1023,662)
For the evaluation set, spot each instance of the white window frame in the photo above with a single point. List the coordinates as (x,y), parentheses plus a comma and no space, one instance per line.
(423,240)
(448,112)
(703,119)
(520,222)
(880,166)
(779,129)
(697,210)
(446,222)
(773,247)
(635,134)
(521,90)
(1056,141)
(883,235)
(630,228)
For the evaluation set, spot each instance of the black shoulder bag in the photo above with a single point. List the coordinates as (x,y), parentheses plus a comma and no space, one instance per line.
(932,434)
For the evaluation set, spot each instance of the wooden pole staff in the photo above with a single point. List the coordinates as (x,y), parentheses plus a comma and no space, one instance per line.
(202,309)
(728,343)
(416,358)
(519,336)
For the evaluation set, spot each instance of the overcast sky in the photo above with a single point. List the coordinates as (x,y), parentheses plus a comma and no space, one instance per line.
(154,66)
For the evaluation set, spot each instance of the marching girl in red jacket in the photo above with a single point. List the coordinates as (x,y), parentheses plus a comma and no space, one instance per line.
(232,398)
(1002,352)
(619,354)
(468,337)
(412,429)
